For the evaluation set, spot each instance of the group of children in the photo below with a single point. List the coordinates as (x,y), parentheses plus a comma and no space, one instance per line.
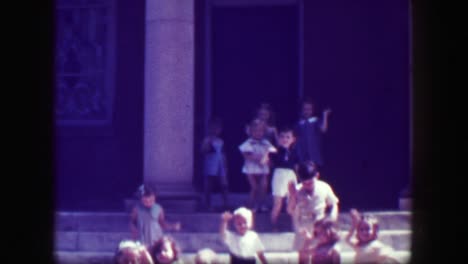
(314,212)
(267,152)
(293,156)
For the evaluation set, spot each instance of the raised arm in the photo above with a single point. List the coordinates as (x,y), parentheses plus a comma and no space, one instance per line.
(225,217)
(355,218)
(324,126)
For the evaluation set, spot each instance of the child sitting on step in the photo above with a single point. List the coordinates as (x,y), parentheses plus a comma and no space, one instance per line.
(147,219)
(165,251)
(326,250)
(244,244)
(366,244)
(131,252)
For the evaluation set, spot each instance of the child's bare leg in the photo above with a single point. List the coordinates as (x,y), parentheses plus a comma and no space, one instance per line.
(208,187)
(277,203)
(253,190)
(263,188)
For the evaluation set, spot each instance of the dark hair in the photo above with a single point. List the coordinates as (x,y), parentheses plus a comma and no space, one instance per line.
(307,100)
(144,190)
(257,122)
(156,248)
(287,129)
(330,228)
(129,252)
(215,121)
(307,170)
(264,105)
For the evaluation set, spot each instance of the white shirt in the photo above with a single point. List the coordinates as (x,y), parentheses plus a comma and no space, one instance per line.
(311,208)
(373,252)
(258,147)
(246,246)
(310,120)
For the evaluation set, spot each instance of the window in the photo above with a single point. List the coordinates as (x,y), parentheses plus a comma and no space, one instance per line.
(84,63)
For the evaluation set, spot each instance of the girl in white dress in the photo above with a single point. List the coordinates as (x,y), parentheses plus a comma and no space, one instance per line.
(256,150)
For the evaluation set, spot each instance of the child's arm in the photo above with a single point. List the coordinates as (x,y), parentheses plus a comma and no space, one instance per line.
(333,214)
(166,225)
(324,126)
(355,218)
(291,197)
(251,156)
(133,223)
(225,217)
(261,256)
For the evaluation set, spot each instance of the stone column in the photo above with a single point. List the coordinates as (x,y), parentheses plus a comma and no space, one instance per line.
(169,95)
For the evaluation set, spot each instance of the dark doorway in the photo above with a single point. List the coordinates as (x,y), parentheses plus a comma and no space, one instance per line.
(254,60)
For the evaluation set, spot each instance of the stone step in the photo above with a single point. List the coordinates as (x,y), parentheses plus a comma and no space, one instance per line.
(207,222)
(191,242)
(65,257)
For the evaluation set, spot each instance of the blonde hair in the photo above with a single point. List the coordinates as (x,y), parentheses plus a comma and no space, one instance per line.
(206,256)
(132,252)
(246,214)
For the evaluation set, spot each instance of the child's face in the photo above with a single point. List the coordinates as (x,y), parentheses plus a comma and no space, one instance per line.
(365,232)
(321,235)
(167,254)
(309,185)
(307,110)
(286,139)
(148,201)
(240,224)
(263,114)
(257,132)
(214,130)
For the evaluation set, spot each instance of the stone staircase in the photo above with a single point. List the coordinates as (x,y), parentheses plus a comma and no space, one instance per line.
(91,237)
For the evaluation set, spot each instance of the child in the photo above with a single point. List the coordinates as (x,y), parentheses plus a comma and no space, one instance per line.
(256,150)
(130,252)
(215,168)
(309,132)
(206,256)
(312,200)
(326,251)
(245,244)
(265,114)
(165,251)
(285,163)
(366,244)
(147,219)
